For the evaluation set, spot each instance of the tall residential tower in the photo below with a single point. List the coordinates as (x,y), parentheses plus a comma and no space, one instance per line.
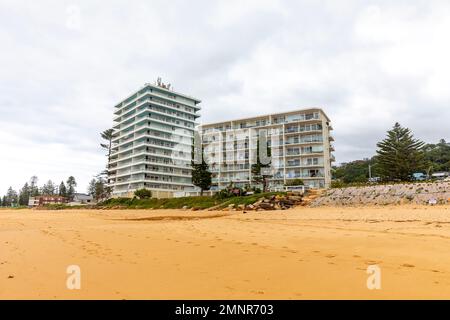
(153,139)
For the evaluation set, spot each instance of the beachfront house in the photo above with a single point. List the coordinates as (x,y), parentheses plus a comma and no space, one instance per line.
(82,199)
(40,201)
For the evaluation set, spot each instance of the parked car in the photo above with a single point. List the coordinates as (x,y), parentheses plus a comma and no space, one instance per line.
(440,175)
(419,176)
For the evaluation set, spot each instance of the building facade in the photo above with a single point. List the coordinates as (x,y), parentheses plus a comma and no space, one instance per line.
(40,201)
(81,198)
(300,147)
(153,139)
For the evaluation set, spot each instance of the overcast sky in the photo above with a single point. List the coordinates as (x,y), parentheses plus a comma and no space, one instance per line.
(65,64)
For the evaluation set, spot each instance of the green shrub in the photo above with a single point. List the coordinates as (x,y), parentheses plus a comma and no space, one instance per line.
(337,184)
(257,190)
(295,182)
(143,194)
(223,194)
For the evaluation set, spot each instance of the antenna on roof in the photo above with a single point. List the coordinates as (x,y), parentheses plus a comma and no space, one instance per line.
(161,84)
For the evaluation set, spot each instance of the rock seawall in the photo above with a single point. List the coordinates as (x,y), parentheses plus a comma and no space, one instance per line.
(416,193)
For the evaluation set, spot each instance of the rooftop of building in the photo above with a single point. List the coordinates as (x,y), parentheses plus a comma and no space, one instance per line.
(159,85)
(206,125)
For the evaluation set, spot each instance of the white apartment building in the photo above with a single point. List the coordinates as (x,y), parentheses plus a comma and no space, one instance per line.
(300,146)
(152,144)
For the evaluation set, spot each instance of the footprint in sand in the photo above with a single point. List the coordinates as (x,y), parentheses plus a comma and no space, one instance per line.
(407,265)
(372,262)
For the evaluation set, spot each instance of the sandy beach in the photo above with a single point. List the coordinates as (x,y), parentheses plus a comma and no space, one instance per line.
(304,253)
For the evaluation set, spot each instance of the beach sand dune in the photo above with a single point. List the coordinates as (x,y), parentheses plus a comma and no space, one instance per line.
(304,253)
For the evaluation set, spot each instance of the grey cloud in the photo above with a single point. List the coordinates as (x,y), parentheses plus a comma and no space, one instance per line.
(367,63)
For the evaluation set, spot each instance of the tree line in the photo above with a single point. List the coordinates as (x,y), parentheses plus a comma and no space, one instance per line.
(397,158)
(31,189)
(97,188)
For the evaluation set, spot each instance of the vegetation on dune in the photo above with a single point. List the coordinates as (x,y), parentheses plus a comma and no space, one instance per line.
(62,206)
(199,202)
(247,200)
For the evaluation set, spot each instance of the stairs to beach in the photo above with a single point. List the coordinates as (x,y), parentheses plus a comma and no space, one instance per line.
(311,195)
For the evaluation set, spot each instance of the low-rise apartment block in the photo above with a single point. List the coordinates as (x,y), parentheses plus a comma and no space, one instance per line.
(300,145)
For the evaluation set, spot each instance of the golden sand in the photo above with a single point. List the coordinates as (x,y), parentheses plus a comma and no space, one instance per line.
(304,253)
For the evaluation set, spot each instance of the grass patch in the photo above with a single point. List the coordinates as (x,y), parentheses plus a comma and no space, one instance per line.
(172,203)
(61,206)
(246,200)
